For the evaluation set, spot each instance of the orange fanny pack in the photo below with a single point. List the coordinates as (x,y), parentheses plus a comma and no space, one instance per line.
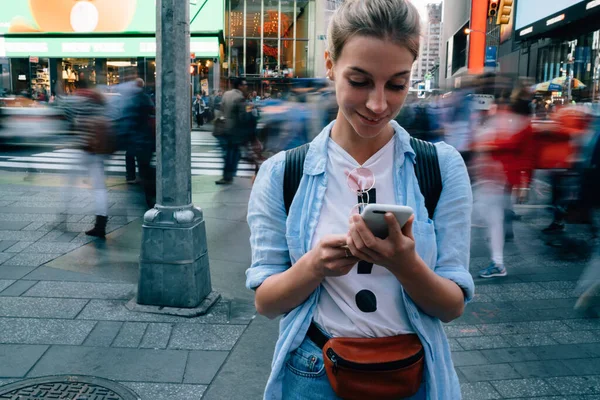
(386,368)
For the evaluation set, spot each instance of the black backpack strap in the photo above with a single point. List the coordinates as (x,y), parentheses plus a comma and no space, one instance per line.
(294,168)
(427,170)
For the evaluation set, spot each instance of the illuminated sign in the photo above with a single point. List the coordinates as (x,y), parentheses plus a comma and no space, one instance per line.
(526,31)
(101,47)
(554,20)
(100,16)
(592,4)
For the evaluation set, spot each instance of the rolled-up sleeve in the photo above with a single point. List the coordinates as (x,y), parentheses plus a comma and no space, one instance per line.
(452,220)
(267,222)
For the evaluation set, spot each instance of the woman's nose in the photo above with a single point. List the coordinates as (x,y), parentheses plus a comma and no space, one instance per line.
(377,102)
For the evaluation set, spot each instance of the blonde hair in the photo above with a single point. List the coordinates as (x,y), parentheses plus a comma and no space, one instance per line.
(395,20)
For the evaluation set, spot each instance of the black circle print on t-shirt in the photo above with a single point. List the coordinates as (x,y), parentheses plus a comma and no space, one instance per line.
(366,301)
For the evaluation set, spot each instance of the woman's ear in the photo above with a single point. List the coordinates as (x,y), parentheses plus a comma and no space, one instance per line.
(329,65)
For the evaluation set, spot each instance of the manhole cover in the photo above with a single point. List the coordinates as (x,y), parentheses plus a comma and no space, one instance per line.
(66,387)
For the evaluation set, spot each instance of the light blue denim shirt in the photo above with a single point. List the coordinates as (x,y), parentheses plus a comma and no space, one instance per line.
(278,241)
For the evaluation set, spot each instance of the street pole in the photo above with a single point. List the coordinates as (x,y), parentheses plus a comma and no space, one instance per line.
(174,268)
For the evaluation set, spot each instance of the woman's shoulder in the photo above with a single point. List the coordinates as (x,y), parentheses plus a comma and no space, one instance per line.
(449,159)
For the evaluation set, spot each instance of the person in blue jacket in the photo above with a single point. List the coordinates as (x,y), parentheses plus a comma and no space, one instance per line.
(305,262)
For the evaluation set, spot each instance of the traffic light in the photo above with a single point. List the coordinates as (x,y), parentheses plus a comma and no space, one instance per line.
(504,12)
(493,9)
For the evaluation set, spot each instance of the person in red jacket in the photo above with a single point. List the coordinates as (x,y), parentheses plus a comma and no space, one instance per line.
(505,158)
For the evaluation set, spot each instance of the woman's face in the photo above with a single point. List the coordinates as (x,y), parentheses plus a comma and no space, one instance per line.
(372,77)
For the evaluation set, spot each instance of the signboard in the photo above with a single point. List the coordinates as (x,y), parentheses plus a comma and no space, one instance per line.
(123,47)
(491,55)
(100,16)
(482,102)
(530,11)
(534,17)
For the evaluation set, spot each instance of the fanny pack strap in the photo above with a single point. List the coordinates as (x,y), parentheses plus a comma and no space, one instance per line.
(316,336)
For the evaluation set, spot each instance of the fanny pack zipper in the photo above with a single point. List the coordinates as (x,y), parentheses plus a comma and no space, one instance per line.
(375,367)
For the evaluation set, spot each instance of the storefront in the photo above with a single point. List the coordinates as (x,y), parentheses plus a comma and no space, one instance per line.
(269,41)
(560,39)
(45,51)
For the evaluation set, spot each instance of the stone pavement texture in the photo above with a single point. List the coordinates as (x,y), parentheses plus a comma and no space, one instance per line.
(63,296)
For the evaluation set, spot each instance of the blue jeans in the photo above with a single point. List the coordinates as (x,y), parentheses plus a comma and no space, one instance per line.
(305,377)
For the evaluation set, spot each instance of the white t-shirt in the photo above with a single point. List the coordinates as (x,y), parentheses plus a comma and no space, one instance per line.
(341,310)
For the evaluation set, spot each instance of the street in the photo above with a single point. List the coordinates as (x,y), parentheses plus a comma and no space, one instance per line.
(63,296)
(54,156)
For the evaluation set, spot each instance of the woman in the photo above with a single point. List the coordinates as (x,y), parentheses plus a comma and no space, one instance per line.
(304,265)
(199,107)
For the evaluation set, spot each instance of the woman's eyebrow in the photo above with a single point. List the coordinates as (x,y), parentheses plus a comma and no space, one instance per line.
(362,71)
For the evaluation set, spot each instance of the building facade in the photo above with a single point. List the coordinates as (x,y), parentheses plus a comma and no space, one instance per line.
(455,43)
(429,53)
(45,46)
(561,39)
(271,41)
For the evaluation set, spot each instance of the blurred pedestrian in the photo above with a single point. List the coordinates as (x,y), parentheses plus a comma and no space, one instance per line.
(317,264)
(505,158)
(139,130)
(92,134)
(199,107)
(235,129)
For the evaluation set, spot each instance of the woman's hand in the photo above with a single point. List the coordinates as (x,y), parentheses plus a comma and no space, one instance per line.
(394,252)
(331,257)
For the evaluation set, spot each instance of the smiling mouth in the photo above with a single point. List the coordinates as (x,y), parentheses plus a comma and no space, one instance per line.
(371,119)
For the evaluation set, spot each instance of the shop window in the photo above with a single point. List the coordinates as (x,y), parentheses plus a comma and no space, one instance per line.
(270,56)
(301,66)
(271,19)
(253,57)
(253,18)
(236,52)
(302,13)
(287,58)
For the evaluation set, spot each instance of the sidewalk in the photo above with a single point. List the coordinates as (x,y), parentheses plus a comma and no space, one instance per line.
(62,310)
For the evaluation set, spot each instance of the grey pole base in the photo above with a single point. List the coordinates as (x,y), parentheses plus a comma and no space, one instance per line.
(209,301)
(174,269)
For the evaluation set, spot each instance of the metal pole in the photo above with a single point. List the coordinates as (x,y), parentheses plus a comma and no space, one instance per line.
(174,270)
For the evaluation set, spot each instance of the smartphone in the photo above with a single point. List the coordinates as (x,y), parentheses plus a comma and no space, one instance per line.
(373,214)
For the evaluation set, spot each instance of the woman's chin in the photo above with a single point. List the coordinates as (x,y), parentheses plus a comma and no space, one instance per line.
(369,131)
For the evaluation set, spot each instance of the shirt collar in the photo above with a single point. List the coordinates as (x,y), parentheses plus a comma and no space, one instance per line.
(316,157)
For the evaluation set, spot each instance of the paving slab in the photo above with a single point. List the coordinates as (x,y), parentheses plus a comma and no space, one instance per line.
(32,260)
(568,385)
(157,336)
(509,355)
(542,369)
(111,363)
(4,257)
(130,335)
(249,362)
(60,248)
(58,274)
(583,366)
(467,358)
(576,337)
(494,372)
(20,235)
(479,391)
(19,246)
(84,290)
(12,226)
(44,331)
(16,360)
(523,327)
(529,339)
(202,366)
(205,336)
(559,352)
(5,244)
(40,308)
(525,388)
(18,288)
(5,283)
(103,334)
(166,391)
(480,343)
(14,272)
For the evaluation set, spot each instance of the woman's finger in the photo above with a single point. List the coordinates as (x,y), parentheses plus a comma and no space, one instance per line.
(368,242)
(361,255)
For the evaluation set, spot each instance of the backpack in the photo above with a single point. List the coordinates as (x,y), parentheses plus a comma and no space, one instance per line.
(427,170)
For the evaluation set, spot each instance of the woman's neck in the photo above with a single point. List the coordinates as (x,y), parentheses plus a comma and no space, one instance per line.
(361,149)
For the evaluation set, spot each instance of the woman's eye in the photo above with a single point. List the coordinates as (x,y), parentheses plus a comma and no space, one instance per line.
(357,83)
(397,88)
